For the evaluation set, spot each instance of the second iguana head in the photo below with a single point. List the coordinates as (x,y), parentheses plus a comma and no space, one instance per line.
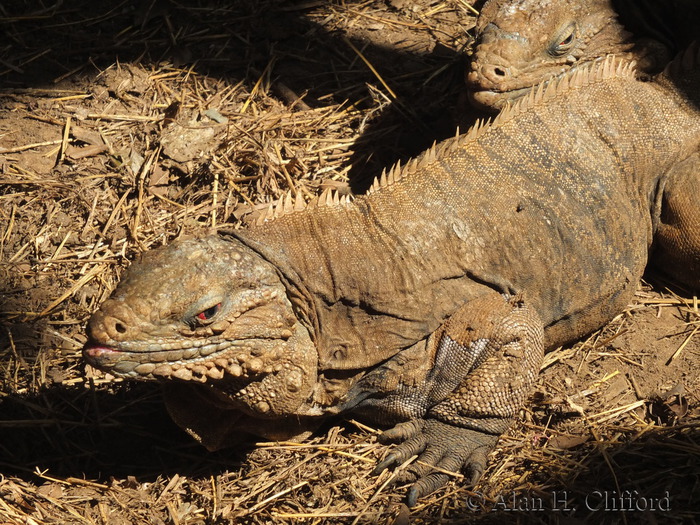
(523,42)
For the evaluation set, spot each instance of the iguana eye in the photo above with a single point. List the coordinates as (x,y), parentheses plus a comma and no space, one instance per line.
(206,315)
(564,42)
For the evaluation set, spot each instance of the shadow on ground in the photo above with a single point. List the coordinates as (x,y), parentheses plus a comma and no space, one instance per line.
(124,431)
(100,434)
(70,433)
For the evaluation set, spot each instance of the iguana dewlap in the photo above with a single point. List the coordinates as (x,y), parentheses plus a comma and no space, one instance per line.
(426,303)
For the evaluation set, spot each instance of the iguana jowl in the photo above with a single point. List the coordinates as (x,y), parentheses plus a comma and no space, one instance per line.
(426,303)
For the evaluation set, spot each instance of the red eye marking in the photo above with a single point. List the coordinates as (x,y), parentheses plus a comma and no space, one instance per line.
(207,314)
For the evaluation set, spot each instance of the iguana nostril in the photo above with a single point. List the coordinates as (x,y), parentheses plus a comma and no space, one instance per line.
(119,327)
(494,74)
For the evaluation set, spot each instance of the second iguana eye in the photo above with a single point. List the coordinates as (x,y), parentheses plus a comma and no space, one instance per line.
(206,315)
(564,42)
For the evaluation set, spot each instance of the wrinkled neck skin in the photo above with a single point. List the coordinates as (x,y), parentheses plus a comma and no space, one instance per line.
(208,311)
(231,333)
(523,42)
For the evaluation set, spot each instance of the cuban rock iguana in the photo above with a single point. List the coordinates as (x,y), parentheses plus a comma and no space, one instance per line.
(426,303)
(520,43)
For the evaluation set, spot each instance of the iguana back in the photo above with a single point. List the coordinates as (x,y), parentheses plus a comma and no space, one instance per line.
(553,199)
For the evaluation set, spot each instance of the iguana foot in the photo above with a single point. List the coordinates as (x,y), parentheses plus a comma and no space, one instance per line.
(483,362)
(440,448)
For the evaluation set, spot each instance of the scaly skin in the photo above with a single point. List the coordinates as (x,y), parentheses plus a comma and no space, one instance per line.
(254,341)
(426,303)
(521,43)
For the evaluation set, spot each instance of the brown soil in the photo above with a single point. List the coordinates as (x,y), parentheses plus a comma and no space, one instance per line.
(126,124)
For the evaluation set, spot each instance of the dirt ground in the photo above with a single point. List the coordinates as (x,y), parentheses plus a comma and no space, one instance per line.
(124,125)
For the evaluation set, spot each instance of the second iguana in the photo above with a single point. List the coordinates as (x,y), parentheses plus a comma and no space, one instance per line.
(427,303)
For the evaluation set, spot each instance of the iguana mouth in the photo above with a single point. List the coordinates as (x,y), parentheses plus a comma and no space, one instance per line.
(495,99)
(202,361)
(491,99)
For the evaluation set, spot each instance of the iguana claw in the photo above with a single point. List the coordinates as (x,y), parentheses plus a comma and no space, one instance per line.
(438,446)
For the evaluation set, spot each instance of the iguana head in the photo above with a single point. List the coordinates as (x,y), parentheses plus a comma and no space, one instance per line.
(523,42)
(212,312)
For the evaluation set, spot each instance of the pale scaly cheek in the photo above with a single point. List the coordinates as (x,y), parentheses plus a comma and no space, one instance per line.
(285,378)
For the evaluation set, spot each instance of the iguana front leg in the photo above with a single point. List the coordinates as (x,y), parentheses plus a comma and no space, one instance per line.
(484,360)
(677,250)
